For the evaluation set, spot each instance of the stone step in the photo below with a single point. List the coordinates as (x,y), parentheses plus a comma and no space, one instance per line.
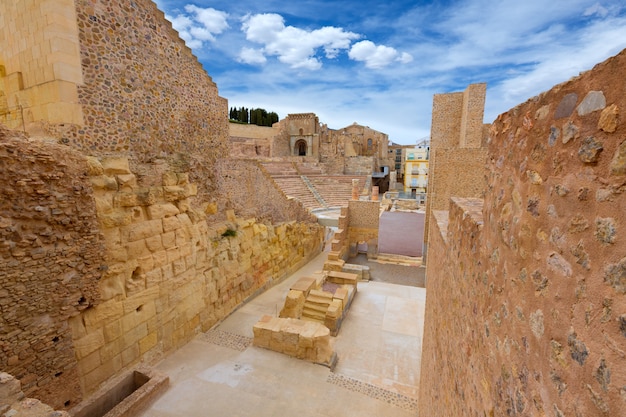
(314,315)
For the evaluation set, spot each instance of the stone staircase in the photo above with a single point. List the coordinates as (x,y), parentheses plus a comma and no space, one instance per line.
(316,306)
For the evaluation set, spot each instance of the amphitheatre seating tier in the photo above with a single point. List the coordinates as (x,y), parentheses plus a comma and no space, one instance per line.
(336,190)
(295,187)
(307,182)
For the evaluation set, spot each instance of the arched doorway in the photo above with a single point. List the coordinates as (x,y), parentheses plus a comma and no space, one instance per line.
(300,148)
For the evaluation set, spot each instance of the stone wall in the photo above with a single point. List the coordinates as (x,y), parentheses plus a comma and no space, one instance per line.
(526,306)
(251,141)
(251,192)
(171,274)
(40,64)
(457,144)
(51,258)
(359,165)
(135,83)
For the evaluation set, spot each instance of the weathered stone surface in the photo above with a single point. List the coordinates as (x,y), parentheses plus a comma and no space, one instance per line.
(570,132)
(609,119)
(618,163)
(593,101)
(615,275)
(566,106)
(578,349)
(589,151)
(606,230)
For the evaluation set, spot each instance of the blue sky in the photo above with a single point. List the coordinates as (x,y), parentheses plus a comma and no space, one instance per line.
(378,63)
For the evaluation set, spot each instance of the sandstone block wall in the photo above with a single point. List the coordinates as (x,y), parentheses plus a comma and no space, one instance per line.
(170,274)
(51,258)
(40,66)
(526,305)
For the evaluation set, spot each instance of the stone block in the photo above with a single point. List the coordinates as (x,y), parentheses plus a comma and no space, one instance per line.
(100,315)
(103,182)
(126,182)
(333,265)
(89,343)
(142,230)
(115,166)
(304,284)
(171,223)
(294,303)
(159,211)
(10,390)
(339,277)
(147,343)
(138,300)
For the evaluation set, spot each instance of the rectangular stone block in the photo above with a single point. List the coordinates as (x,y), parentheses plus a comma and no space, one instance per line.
(102,314)
(89,343)
(132,304)
(160,211)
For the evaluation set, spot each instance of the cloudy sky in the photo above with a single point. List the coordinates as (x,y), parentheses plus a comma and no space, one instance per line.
(378,63)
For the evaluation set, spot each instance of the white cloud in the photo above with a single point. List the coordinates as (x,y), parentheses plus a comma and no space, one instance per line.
(596,9)
(252,56)
(293,46)
(199,25)
(377,56)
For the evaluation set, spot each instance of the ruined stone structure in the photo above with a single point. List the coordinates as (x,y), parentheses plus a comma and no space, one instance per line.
(526,306)
(352,150)
(457,144)
(126,229)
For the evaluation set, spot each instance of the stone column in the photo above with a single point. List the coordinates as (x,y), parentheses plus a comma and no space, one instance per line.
(355,189)
(375,193)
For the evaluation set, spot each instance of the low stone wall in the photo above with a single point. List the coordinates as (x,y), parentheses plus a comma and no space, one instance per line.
(302,339)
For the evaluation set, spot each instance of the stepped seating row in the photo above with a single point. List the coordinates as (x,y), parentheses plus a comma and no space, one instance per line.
(278,169)
(336,190)
(296,188)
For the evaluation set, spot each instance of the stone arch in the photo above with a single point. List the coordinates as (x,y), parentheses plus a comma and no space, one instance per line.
(300,149)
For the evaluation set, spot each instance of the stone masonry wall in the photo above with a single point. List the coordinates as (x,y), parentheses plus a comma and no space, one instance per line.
(171,274)
(51,256)
(144,93)
(526,306)
(40,66)
(456,144)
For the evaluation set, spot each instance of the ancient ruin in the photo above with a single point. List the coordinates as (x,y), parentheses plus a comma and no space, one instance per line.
(126,230)
(134,217)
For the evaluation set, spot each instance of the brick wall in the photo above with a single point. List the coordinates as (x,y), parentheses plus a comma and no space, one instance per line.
(526,306)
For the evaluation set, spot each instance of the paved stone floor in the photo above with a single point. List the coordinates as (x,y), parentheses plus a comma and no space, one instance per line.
(220,373)
(414,276)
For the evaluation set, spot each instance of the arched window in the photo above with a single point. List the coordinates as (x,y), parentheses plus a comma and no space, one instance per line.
(369,144)
(301,132)
(300,148)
